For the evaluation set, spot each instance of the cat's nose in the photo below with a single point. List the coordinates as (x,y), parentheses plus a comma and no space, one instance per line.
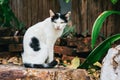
(58,27)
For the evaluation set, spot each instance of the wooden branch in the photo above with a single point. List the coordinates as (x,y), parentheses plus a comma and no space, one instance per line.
(63,50)
(11,40)
(15,47)
(12,72)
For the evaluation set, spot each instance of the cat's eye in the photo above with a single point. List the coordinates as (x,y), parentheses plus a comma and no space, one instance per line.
(55,22)
(62,22)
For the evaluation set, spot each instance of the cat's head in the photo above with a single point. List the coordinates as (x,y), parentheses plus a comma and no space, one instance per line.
(59,20)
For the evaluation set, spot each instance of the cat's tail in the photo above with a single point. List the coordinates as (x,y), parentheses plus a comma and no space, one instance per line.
(47,65)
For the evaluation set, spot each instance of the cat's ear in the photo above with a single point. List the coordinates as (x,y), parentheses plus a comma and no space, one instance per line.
(68,15)
(51,13)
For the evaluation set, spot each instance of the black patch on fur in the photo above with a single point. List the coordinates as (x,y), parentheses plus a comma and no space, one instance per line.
(62,16)
(35,44)
(52,64)
(49,65)
(28,65)
(56,16)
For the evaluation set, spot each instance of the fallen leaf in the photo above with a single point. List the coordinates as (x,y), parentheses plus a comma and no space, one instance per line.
(74,63)
(97,64)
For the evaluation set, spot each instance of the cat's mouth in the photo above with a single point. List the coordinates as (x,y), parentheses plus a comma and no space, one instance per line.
(57,28)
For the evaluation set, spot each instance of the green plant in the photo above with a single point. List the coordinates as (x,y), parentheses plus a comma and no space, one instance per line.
(69,30)
(67,1)
(114,1)
(7,17)
(100,51)
(98,24)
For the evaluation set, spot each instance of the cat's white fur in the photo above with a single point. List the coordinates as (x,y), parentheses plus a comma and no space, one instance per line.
(47,33)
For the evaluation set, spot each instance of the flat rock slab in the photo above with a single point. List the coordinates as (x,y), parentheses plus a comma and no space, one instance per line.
(13,72)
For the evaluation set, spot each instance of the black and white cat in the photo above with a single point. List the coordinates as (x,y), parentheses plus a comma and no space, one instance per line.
(39,40)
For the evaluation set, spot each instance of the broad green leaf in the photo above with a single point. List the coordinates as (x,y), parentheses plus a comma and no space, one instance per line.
(99,51)
(98,25)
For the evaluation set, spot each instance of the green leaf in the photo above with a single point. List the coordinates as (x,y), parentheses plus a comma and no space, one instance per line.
(98,25)
(68,30)
(4,2)
(99,51)
(67,1)
(114,1)
(10,20)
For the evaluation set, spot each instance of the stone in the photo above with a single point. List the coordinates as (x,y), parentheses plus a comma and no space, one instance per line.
(111,65)
(14,72)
